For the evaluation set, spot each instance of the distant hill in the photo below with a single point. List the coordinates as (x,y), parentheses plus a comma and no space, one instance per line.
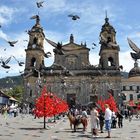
(13,81)
(124,74)
(9,82)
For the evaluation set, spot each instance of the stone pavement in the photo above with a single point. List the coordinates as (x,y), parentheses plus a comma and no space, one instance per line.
(28,128)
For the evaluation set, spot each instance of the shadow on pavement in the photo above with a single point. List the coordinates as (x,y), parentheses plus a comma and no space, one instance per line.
(65,131)
(89,136)
(33,129)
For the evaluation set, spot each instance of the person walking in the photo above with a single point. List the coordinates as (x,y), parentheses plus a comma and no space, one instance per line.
(101,120)
(113,120)
(120,119)
(108,115)
(94,121)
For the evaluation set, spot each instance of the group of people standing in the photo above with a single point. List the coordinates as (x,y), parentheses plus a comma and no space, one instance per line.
(100,118)
(9,110)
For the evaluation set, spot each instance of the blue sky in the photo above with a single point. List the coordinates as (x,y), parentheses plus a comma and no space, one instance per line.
(15,19)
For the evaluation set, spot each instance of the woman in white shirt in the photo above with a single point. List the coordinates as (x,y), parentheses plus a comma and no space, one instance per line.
(94,121)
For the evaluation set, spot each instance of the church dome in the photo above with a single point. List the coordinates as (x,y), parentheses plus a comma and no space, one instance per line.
(134,72)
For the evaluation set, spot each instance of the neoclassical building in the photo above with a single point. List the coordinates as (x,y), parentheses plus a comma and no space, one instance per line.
(131,85)
(71,76)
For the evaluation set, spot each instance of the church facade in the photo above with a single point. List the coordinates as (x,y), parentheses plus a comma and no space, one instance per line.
(71,76)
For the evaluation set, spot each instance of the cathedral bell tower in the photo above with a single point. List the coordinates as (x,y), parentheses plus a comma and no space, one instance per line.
(109,51)
(35,49)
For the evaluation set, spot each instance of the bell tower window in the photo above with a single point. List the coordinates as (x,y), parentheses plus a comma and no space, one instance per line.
(35,40)
(33,62)
(110,61)
(108,39)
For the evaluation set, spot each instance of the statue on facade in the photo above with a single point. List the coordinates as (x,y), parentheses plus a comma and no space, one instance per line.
(134,47)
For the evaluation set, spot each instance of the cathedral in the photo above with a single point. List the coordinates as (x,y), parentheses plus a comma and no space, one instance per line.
(71,76)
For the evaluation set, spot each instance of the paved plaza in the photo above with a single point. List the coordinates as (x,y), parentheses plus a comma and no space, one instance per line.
(28,128)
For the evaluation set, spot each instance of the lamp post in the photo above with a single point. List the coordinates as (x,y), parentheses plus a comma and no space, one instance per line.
(44,111)
(63,85)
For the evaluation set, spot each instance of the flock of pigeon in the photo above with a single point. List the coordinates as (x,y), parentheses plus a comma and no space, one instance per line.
(57,50)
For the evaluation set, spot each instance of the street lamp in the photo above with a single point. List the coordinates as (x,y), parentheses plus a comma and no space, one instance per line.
(63,85)
(45,110)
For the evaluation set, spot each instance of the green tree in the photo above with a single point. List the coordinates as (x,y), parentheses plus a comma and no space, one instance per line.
(16,92)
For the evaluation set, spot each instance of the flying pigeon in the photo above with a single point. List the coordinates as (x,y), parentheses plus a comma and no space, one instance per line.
(48,54)
(58,47)
(107,41)
(34,17)
(19,63)
(134,47)
(28,31)
(94,44)
(39,4)
(37,20)
(12,43)
(121,67)
(4,63)
(21,71)
(65,70)
(74,17)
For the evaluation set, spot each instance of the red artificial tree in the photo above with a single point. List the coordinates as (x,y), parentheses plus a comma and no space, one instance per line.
(101,103)
(48,105)
(110,101)
(131,103)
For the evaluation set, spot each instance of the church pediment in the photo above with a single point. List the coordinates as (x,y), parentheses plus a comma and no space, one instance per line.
(73,47)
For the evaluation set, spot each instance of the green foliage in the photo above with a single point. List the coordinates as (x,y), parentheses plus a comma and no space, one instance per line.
(16,92)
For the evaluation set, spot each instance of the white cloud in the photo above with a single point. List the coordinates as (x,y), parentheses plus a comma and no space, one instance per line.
(6,14)
(94,58)
(126,60)
(55,5)
(3,35)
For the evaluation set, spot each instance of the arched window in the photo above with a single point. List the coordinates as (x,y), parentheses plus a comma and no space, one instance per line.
(108,39)
(124,88)
(33,62)
(31,93)
(35,41)
(111,61)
